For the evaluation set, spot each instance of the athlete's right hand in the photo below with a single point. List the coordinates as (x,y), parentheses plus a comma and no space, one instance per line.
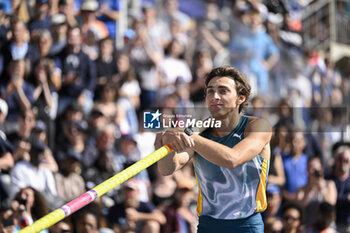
(177,140)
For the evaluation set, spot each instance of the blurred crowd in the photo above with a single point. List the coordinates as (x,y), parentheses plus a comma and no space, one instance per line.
(72,103)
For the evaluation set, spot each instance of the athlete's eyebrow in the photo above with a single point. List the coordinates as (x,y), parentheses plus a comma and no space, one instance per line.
(221,86)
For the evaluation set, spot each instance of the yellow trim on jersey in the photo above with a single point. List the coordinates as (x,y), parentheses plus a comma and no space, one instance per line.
(199,199)
(261,202)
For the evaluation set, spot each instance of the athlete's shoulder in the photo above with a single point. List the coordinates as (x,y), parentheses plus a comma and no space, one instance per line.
(259,123)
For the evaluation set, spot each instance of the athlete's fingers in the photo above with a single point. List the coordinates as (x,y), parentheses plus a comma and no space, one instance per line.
(158,141)
(186,140)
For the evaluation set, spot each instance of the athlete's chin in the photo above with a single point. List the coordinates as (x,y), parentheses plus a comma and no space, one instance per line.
(218,113)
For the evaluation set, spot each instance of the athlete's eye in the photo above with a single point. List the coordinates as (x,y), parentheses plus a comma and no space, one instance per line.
(223,91)
(210,92)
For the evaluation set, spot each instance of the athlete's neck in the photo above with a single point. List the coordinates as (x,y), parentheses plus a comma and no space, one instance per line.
(228,124)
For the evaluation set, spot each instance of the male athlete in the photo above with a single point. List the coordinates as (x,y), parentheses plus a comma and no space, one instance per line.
(231,163)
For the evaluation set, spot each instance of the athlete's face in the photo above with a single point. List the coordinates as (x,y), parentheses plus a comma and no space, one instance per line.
(222,97)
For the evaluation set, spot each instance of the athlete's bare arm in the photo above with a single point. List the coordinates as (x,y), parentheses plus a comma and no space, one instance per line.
(256,140)
(174,161)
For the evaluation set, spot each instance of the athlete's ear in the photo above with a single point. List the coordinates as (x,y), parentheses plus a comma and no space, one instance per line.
(240,99)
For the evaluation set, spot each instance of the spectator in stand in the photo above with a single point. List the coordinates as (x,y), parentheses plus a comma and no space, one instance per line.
(75,144)
(316,191)
(61,227)
(106,64)
(258,50)
(59,30)
(279,146)
(341,177)
(173,67)
(67,8)
(88,11)
(69,182)
(108,13)
(215,24)
(45,95)
(292,215)
(74,113)
(157,29)
(202,65)
(324,220)
(295,166)
(104,142)
(78,74)
(29,205)
(146,55)
(21,137)
(172,12)
(6,163)
(32,174)
(127,155)
(20,10)
(273,225)
(129,85)
(179,215)
(18,93)
(274,202)
(41,19)
(133,215)
(109,104)
(39,133)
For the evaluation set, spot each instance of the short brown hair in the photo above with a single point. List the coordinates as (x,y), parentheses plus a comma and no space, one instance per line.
(242,86)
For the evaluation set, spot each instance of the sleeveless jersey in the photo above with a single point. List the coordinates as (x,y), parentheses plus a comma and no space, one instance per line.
(231,193)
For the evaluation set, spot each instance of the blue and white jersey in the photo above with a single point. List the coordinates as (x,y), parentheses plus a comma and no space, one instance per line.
(231,193)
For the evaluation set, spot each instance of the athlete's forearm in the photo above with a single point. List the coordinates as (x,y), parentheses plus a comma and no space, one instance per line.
(214,152)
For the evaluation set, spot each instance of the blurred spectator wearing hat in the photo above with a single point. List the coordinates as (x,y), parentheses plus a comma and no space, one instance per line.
(41,19)
(69,182)
(59,28)
(89,9)
(179,215)
(134,215)
(78,74)
(31,173)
